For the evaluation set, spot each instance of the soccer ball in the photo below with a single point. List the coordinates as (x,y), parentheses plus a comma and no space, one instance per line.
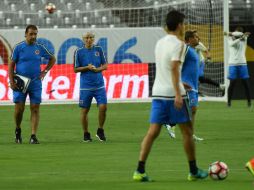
(50,7)
(218,170)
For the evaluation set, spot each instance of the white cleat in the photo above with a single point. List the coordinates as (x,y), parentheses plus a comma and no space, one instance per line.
(171,130)
(197,138)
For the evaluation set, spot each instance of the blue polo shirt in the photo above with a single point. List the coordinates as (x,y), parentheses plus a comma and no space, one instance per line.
(190,69)
(90,80)
(28,58)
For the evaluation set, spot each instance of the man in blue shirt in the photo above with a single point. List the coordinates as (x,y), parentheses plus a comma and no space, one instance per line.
(25,61)
(190,73)
(90,62)
(190,77)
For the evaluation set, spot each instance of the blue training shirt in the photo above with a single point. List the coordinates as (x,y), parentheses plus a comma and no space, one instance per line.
(190,69)
(28,58)
(90,80)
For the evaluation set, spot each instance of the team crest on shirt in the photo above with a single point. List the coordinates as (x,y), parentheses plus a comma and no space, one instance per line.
(97,53)
(37,52)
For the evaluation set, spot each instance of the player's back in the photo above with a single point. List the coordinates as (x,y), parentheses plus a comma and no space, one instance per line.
(168,49)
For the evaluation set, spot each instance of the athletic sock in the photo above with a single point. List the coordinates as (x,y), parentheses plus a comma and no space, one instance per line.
(193,167)
(141,167)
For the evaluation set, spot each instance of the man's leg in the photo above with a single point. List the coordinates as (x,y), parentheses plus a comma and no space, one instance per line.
(203,79)
(84,118)
(189,147)
(102,114)
(34,120)
(84,122)
(247,90)
(188,142)
(148,140)
(18,116)
(193,116)
(146,145)
(231,90)
(102,117)
(35,117)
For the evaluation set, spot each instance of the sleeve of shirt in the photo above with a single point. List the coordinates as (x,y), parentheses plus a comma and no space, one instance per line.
(232,42)
(75,59)
(201,47)
(103,58)
(45,52)
(180,52)
(15,54)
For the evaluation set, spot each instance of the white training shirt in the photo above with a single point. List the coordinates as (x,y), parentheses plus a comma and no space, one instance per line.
(168,49)
(237,50)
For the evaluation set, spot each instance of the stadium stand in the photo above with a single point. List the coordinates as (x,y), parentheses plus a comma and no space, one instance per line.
(99,13)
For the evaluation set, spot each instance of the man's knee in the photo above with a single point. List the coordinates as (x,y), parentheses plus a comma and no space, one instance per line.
(154,131)
(103,108)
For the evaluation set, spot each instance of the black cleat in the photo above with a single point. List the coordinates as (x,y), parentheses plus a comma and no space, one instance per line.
(34,140)
(87,137)
(100,134)
(18,138)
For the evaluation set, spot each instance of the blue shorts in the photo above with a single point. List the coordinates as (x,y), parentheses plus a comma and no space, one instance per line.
(238,72)
(201,69)
(34,92)
(164,112)
(86,97)
(193,98)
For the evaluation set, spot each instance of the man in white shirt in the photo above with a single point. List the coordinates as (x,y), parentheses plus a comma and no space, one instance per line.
(237,63)
(169,104)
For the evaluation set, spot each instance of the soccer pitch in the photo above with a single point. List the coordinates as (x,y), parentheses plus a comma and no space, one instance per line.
(63,162)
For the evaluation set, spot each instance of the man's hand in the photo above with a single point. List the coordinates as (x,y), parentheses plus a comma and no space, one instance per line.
(186,86)
(91,67)
(42,75)
(178,102)
(13,85)
(247,34)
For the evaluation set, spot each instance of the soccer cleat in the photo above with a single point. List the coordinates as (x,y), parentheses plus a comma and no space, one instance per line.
(141,177)
(87,137)
(250,166)
(171,130)
(18,138)
(200,175)
(34,140)
(100,134)
(197,138)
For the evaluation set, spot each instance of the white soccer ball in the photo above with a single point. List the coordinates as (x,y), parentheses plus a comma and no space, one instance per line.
(218,170)
(50,7)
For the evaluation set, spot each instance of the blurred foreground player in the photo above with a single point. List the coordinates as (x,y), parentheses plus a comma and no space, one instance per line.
(169,103)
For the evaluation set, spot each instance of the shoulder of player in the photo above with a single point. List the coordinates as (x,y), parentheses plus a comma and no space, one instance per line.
(40,45)
(98,47)
(20,45)
(79,50)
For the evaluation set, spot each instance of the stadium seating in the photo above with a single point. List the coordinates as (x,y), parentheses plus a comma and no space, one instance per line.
(99,13)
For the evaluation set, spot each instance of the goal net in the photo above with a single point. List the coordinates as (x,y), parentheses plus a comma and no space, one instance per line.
(127,30)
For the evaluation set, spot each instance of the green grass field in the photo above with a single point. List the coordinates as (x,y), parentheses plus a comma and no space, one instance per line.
(63,162)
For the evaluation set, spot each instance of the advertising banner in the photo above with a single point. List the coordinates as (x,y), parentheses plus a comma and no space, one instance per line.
(122,81)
